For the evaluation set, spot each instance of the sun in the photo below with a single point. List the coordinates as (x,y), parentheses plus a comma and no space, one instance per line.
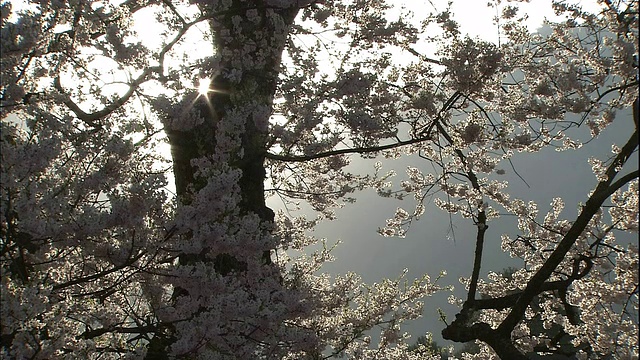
(204,86)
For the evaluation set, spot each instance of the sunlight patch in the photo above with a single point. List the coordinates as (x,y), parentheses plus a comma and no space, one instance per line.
(203,87)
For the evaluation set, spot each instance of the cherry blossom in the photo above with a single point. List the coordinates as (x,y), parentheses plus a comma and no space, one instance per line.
(112,248)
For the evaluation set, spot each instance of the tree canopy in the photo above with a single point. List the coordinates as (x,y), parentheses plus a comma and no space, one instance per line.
(134,221)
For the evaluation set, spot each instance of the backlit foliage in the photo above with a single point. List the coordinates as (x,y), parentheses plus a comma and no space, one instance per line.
(103,257)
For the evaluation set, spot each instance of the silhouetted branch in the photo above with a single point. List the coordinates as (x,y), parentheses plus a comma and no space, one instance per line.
(600,194)
(358,150)
(92,118)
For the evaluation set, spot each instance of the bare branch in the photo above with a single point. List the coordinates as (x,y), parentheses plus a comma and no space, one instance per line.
(358,150)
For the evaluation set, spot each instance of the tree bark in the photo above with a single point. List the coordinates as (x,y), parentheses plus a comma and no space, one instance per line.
(269,36)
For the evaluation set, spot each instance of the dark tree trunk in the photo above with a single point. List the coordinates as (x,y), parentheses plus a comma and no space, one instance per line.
(259,85)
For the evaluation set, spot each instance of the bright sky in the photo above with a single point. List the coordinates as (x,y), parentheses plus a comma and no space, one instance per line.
(476,18)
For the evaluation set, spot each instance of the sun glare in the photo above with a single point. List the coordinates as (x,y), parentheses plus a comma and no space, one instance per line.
(203,87)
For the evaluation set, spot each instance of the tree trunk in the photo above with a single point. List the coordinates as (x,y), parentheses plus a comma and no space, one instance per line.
(257,84)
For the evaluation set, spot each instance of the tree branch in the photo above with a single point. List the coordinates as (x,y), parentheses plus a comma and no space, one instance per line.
(364,150)
(358,150)
(91,118)
(90,334)
(477,261)
(603,190)
(97,275)
(503,302)
(481,222)
(461,332)
(507,301)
